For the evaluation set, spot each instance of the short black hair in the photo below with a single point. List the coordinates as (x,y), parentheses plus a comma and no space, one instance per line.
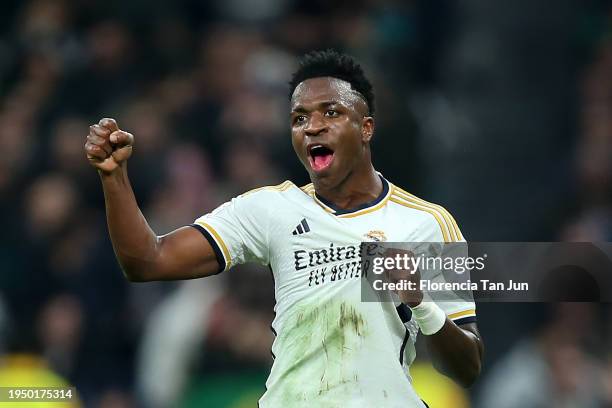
(330,63)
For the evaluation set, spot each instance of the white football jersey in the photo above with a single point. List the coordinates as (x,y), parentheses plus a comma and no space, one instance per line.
(331,349)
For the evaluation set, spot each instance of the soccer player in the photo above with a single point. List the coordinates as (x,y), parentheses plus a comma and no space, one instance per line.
(331,349)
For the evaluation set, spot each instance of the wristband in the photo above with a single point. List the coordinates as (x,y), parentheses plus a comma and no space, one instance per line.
(429,316)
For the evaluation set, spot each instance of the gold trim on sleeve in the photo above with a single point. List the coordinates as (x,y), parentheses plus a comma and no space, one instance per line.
(220,242)
(465,313)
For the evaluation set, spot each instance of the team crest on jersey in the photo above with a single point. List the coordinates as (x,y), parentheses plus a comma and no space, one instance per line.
(376,235)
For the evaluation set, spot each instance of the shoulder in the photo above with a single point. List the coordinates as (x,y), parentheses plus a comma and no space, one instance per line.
(308,189)
(438,218)
(267,197)
(269,190)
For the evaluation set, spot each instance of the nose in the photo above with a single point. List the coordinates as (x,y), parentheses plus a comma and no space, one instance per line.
(315,126)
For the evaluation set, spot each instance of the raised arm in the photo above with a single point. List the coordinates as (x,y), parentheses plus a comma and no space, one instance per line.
(143,256)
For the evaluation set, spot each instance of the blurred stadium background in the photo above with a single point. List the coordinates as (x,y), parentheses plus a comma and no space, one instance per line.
(500,111)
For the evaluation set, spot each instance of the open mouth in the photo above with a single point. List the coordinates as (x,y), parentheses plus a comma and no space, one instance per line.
(320,157)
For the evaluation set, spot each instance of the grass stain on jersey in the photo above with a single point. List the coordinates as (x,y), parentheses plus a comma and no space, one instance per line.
(319,344)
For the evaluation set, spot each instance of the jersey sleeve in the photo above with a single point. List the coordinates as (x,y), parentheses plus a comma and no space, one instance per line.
(238,231)
(459,306)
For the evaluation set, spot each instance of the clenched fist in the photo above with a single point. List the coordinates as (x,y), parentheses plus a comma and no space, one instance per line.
(107,146)
(407,273)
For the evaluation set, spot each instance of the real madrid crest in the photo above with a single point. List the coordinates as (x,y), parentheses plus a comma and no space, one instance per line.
(376,235)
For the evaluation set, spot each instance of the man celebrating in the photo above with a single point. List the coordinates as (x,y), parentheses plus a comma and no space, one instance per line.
(331,348)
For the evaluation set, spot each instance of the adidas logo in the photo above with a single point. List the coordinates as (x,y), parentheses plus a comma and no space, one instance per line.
(301,228)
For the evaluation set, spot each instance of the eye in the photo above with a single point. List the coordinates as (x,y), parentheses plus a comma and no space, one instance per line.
(331,113)
(299,119)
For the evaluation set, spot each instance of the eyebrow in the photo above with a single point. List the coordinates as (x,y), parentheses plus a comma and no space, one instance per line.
(324,104)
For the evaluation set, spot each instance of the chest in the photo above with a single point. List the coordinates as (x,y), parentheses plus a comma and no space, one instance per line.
(311,227)
(314,248)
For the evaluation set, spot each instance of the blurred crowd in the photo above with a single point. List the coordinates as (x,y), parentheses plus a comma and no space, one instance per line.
(565,358)
(593,168)
(203,87)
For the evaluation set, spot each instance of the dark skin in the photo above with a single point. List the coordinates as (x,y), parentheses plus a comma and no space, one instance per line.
(323,111)
(326,111)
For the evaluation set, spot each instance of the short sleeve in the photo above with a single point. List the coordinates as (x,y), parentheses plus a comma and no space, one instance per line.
(237,230)
(459,306)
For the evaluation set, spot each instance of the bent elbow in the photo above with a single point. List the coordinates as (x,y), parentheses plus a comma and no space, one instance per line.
(136,269)
(132,276)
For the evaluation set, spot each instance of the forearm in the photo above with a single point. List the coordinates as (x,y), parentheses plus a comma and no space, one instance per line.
(134,242)
(456,352)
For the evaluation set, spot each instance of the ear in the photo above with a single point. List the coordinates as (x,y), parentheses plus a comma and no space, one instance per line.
(367,129)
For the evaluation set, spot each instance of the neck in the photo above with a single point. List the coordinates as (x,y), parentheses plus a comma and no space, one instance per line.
(359,187)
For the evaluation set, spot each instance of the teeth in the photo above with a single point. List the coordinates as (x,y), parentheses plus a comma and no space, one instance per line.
(315,147)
